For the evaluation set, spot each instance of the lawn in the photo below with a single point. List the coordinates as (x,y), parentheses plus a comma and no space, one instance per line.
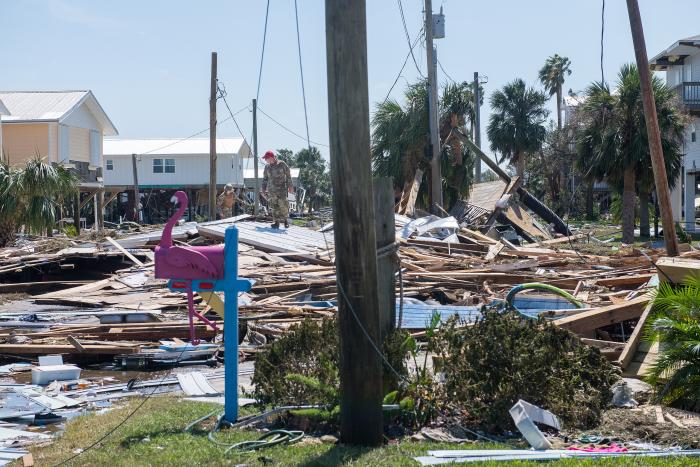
(154,436)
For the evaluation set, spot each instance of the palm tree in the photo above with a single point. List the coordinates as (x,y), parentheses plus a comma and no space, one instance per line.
(613,141)
(29,196)
(400,138)
(552,76)
(676,326)
(516,126)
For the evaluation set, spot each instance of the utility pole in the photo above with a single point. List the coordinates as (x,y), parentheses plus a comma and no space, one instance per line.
(255,157)
(431,54)
(353,218)
(477,126)
(653,133)
(212,140)
(137,196)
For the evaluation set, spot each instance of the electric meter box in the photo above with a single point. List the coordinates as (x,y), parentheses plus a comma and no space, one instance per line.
(439,25)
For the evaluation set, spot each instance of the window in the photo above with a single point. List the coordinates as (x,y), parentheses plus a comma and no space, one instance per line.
(157,166)
(169,166)
(110,164)
(692,137)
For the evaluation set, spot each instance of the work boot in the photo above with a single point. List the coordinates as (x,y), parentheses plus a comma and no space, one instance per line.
(275,225)
(286,223)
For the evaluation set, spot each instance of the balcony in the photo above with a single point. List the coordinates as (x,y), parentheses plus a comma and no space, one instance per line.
(689,93)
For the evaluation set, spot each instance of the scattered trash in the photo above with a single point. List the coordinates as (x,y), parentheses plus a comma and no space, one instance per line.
(525,415)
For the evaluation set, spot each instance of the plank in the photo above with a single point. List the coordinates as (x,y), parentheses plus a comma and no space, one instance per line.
(623,281)
(677,269)
(633,341)
(590,320)
(42,349)
(123,250)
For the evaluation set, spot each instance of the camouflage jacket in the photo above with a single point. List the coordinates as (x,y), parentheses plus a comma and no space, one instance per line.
(277,178)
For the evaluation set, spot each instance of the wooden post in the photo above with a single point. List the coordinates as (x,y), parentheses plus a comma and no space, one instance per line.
(353,216)
(100,209)
(477,127)
(137,196)
(385,230)
(255,157)
(76,213)
(212,140)
(653,133)
(435,169)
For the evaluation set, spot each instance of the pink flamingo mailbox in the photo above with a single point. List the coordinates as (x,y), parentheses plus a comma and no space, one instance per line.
(210,269)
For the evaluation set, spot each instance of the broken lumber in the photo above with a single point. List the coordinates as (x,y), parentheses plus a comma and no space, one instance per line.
(588,321)
(676,270)
(633,341)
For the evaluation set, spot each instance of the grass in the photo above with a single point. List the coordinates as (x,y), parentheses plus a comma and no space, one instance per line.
(154,436)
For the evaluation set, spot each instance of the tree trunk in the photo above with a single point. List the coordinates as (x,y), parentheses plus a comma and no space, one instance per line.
(559,107)
(644,227)
(520,166)
(628,202)
(589,201)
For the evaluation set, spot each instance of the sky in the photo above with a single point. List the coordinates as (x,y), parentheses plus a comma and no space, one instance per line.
(148,62)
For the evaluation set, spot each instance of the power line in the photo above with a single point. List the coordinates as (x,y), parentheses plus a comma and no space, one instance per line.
(418,38)
(262,54)
(408,38)
(301,73)
(289,130)
(222,94)
(445,72)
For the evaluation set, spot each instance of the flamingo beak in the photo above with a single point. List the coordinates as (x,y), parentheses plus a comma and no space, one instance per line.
(174,200)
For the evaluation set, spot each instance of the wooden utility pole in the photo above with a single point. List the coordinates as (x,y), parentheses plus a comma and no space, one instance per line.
(353,218)
(653,132)
(212,140)
(431,55)
(477,126)
(385,230)
(137,196)
(255,157)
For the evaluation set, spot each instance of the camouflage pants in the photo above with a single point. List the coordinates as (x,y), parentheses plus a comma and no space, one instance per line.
(225,212)
(279,206)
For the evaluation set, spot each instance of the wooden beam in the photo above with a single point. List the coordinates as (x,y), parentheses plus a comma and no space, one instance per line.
(42,349)
(123,250)
(212,138)
(385,230)
(633,342)
(589,321)
(361,390)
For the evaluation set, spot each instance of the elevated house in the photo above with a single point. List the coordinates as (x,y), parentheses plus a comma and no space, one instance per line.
(681,62)
(65,127)
(162,166)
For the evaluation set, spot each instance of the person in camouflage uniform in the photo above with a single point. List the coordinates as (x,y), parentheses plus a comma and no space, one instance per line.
(277,182)
(225,202)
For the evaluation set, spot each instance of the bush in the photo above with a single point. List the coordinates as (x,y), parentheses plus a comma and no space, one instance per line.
(491,364)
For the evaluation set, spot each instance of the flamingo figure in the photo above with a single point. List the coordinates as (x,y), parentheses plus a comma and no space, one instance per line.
(187,263)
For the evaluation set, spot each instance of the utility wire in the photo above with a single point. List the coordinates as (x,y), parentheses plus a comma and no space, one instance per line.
(602,35)
(289,130)
(418,38)
(222,95)
(301,73)
(262,54)
(445,72)
(408,38)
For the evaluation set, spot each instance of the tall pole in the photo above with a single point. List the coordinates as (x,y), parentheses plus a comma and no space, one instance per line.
(212,140)
(653,132)
(431,54)
(255,157)
(353,216)
(137,196)
(477,126)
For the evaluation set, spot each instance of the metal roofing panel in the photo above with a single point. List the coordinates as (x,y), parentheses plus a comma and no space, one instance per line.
(170,146)
(41,105)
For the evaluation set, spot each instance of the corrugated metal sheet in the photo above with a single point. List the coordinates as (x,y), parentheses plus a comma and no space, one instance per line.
(173,146)
(47,105)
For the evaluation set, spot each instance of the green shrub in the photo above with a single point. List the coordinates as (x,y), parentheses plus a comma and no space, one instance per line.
(676,325)
(491,364)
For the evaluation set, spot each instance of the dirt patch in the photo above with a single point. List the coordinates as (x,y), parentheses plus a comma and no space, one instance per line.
(640,424)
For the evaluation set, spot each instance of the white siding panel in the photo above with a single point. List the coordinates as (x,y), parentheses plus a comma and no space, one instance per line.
(79,145)
(82,118)
(53,142)
(121,175)
(694,61)
(692,149)
(63,144)
(95,148)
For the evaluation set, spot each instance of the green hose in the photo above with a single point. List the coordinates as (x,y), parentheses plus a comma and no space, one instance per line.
(539,286)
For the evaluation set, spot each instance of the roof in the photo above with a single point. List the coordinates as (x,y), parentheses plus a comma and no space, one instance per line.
(3,109)
(50,106)
(574,101)
(172,146)
(676,53)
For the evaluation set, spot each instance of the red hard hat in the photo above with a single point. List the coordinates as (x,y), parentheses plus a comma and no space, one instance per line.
(269,154)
